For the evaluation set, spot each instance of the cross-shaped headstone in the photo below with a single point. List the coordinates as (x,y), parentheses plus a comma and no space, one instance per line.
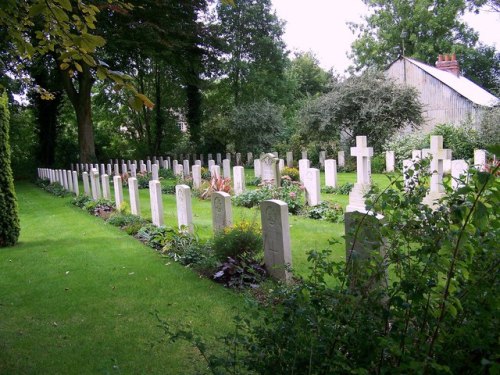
(363,154)
(438,155)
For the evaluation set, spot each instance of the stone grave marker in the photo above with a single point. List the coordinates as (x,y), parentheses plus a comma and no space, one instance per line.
(276,238)
(69,177)
(304,154)
(197,162)
(148,165)
(447,166)
(180,171)
(275,153)
(175,163)
(196,170)
(117,185)
(459,169)
(341,159)
(289,159)
(281,164)
(133,189)
(185,165)
(95,186)
(249,158)
(133,170)
(436,190)
(312,186)
(106,192)
(209,157)
(238,158)
(480,159)
(270,173)
(215,171)
(226,168)
(257,168)
(211,163)
(331,173)
(184,210)
(304,165)
(238,180)
(322,158)
(219,158)
(222,216)
(76,188)
(390,161)
(228,156)
(103,170)
(156,203)
(363,155)
(64,180)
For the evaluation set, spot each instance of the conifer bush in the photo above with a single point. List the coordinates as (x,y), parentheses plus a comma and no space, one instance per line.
(9,219)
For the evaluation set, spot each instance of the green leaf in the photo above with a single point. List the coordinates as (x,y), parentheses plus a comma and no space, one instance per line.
(66,4)
(145,100)
(480,217)
(37,9)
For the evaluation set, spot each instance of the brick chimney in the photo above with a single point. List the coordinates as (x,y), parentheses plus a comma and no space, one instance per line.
(448,63)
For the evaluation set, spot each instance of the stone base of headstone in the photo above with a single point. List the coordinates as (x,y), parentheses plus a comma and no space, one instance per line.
(364,243)
(432,198)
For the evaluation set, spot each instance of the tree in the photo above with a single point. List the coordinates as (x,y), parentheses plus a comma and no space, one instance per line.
(368,105)
(254,56)
(9,219)
(310,79)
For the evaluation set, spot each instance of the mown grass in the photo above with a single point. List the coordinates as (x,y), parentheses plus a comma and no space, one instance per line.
(77,297)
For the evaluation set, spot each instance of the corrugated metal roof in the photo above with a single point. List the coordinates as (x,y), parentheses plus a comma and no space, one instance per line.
(460,84)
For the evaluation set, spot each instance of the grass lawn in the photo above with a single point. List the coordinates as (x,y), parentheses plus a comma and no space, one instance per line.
(76,297)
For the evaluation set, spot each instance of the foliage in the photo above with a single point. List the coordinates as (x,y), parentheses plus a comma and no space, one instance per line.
(143,179)
(205,174)
(242,239)
(100,207)
(9,219)
(293,173)
(240,273)
(438,313)
(368,104)
(81,200)
(462,140)
(155,237)
(217,183)
(378,163)
(127,222)
(54,188)
(343,189)
(255,181)
(290,192)
(22,142)
(403,144)
(328,211)
(310,79)
(489,129)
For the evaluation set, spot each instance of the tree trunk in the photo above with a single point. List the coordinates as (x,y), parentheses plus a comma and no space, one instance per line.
(194,99)
(160,119)
(81,101)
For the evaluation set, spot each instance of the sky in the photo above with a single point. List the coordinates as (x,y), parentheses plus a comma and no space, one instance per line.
(320,26)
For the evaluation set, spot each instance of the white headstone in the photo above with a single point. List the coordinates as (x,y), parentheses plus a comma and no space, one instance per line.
(416,155)
(154,172)
(238,180)
(185,165)
(133,189)
(276,236)
(249,158)
(304,165)
(390,161)
(76,188)
(226,168)
(459,176)
(312,186)
(197,162)
(447,166)
(95,186)
(322,158)
(289,159)
(106,192)
(117,187)
(480,159)
(184,210)
(215,171)
(156,203)
(270,173)
(331,173)
(281,164)
(103,170)
(180,171)
(116,169)
(148,166)
(304,154)
(175,163)
(341,158)
(222,216)
(196,170)
(363,155)
(64,176)
(211,163)
(219,158)
(436,190)
(257,168)
(70,180)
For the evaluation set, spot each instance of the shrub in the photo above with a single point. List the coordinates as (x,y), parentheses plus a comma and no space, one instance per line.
(378,164)
(240,273)
(255,181)
(9,219)
(81,200)
(217,184)
(166,173)
(290,192)
(168,187)
(100,207)
(243,239)
(155,237)
(57,189)
(127,222)
(143,180)
(205,174)
(293,173)
(328,211)
(462,140)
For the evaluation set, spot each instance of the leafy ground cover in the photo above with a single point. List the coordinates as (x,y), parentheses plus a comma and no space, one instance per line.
(77,296)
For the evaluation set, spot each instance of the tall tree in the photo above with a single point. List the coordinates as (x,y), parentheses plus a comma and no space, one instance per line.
(255,56)
(9,219)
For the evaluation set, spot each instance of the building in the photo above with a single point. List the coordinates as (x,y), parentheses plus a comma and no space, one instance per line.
(447,96)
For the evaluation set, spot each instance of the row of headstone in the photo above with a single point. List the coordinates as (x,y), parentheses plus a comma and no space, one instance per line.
(66,178)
